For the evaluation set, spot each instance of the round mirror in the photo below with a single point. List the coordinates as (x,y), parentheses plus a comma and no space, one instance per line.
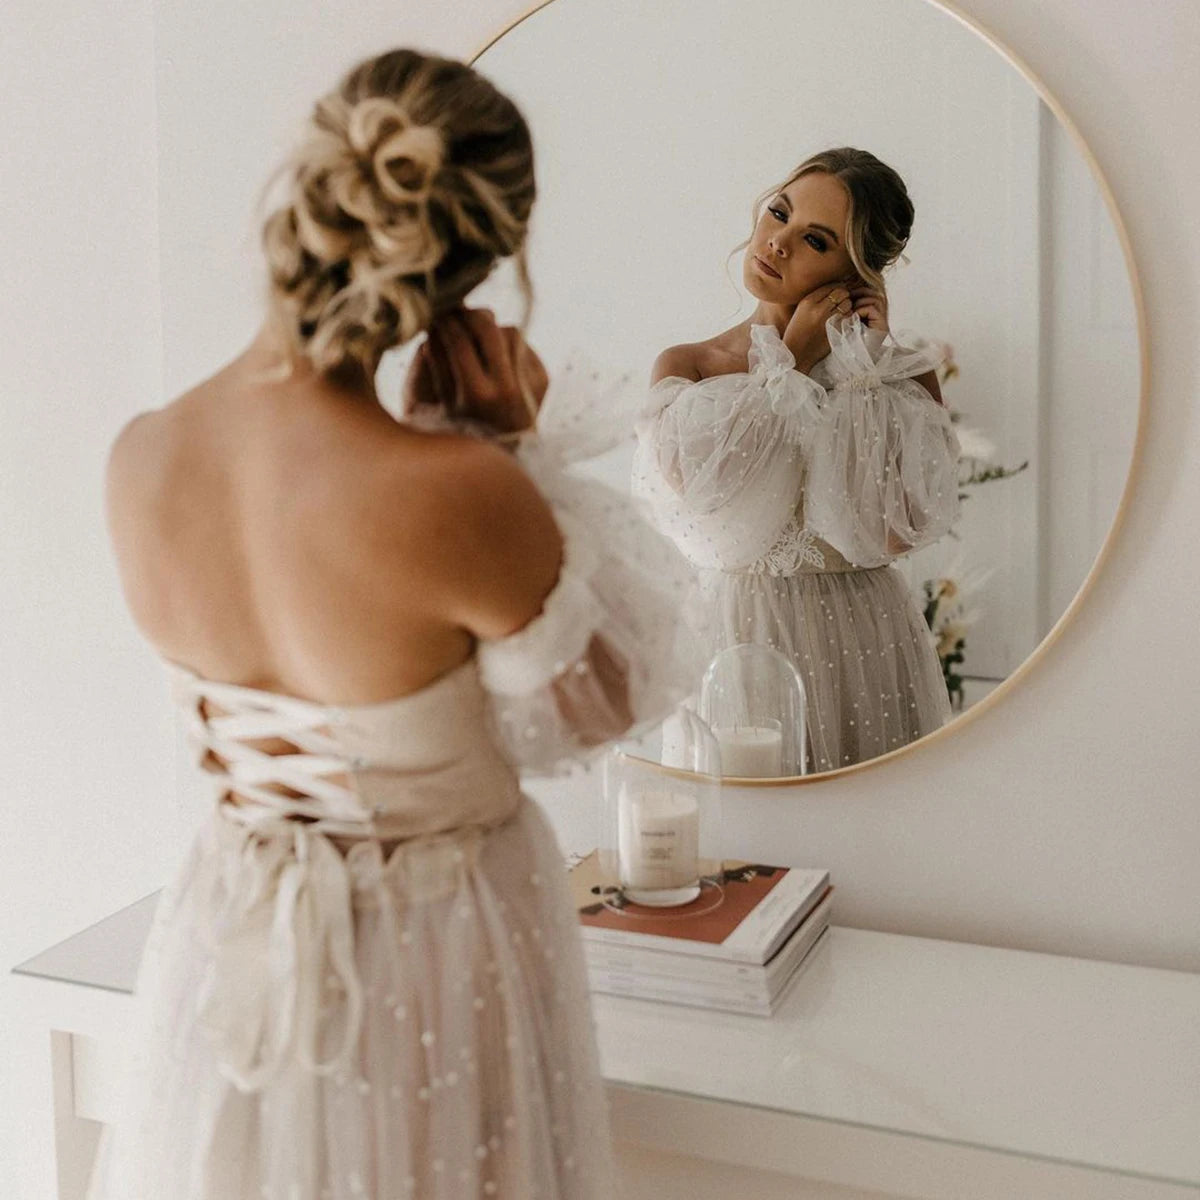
(658,126)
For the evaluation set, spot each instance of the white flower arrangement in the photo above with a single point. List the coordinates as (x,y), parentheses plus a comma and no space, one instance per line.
(945,598)
(948,615)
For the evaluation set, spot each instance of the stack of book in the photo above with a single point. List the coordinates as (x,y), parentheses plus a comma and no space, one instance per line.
(736,950)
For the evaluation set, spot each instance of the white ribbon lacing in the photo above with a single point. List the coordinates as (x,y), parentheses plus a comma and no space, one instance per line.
(279,913)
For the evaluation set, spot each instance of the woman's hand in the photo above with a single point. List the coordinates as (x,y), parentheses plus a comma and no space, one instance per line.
(871,306)
(471,367)
(805,334)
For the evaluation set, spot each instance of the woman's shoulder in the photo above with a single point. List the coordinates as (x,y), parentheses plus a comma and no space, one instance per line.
(470,471)
(470,490)
(684,361)
(139,459)
(476,531)
(698,361)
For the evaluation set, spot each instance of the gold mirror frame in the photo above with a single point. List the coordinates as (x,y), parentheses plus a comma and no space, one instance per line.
(1042,648)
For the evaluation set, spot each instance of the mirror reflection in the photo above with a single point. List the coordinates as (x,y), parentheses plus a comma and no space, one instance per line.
(884,351)
(796,454)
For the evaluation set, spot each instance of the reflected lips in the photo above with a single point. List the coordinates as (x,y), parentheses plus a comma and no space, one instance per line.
(767,270)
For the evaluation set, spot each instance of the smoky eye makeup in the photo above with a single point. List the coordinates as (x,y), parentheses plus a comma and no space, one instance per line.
(780,207)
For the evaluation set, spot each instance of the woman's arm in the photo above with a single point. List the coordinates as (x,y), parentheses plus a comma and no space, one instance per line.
(882,462)
(871,307)
(929,381)
(500,575)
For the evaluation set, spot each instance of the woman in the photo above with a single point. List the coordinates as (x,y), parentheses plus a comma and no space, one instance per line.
(366,981)
(794,456)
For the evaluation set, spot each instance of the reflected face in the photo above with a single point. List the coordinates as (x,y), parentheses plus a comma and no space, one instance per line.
(799,241)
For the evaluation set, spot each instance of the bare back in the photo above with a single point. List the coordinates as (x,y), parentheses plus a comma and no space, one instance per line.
(293,537)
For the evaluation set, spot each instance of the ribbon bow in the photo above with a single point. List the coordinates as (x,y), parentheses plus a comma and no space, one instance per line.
(770,359)
(289,941)
(793,394)
(862,358)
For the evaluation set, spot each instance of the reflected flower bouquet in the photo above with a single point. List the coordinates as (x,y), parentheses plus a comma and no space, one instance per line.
(948,617)
(945,612)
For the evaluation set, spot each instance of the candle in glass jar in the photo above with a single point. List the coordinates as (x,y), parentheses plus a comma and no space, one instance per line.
(658,845)
(751,751)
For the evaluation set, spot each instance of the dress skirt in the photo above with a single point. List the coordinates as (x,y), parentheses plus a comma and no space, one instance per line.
(872,679)
(347,1021)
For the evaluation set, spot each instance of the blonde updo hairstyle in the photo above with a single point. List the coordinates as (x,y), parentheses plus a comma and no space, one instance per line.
(881,213)
(415,176)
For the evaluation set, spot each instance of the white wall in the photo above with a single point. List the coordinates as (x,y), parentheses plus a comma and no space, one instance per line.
(86,742)
(79,313)
(1089,373)
(1066,819)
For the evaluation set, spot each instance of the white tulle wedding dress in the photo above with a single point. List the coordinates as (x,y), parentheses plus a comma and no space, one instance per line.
(791,494)
(366,982)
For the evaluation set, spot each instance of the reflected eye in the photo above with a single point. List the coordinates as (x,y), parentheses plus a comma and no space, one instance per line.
(817,242)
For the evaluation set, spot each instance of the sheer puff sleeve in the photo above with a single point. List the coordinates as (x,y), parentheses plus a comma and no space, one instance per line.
(883,458)
(719,461)
(616,644)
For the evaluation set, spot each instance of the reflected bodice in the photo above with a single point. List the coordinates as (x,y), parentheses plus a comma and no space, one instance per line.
(799,551)
(416,765)
(774,471)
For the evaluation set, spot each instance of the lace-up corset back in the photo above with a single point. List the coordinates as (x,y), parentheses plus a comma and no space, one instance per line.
(417,765)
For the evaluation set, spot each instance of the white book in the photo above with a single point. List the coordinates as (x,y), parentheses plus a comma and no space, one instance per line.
(642,963)
(671,992)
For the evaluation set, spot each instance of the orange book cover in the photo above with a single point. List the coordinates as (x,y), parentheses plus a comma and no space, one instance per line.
(747,886)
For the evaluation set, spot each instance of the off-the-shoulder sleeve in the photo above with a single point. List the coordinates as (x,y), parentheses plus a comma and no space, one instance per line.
(883,457)
(589,409)
(719,461)
(616,644)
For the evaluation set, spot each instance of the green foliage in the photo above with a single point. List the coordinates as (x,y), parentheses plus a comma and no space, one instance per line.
(988,474)
(951,657)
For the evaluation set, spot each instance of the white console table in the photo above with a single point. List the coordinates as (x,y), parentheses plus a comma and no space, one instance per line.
(897,1067)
